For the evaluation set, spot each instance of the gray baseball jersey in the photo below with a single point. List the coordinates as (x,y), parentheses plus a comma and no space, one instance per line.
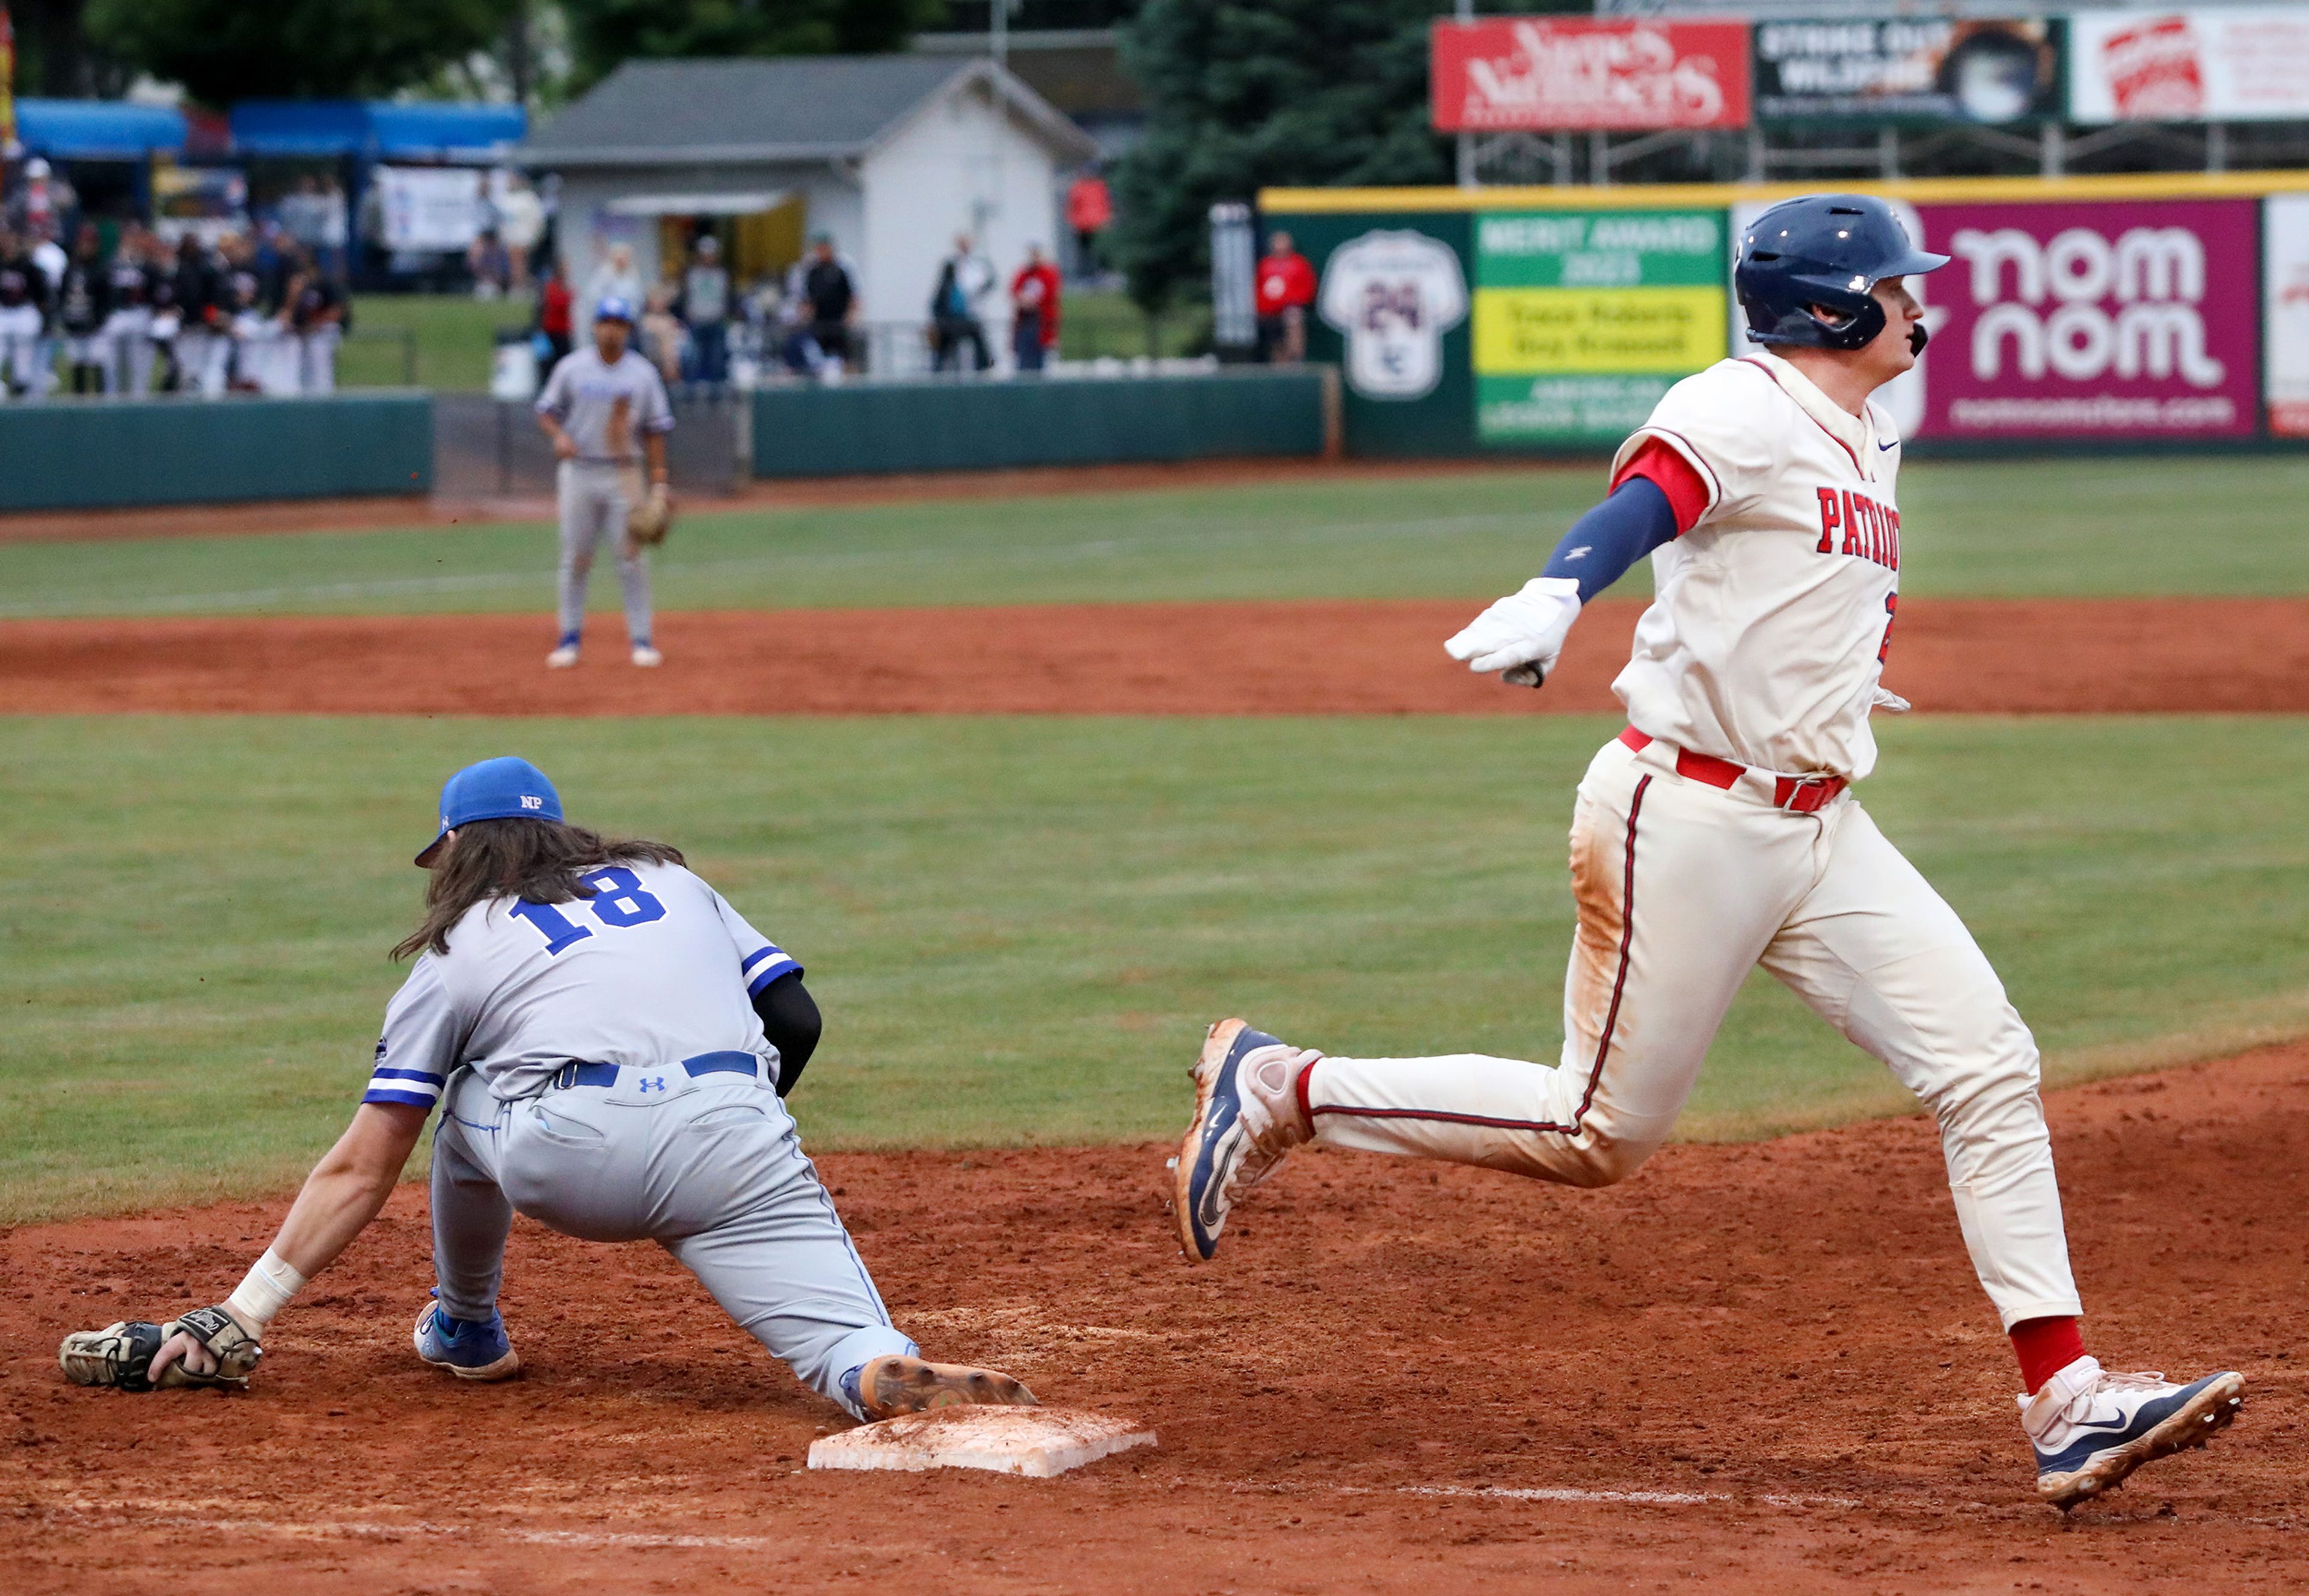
(652,969)
(584,394)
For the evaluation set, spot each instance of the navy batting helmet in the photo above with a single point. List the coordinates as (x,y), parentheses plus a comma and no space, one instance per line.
(1828,250)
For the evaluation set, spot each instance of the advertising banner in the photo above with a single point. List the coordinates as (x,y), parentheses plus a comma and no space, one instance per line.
(2285,279)
(2235,64)
(2095,320)
(431,209)
(1559,73)
(1911,69)
(1583,319)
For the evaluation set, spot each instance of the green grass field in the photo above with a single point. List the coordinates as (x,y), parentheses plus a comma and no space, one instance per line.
(2023,528)
(1018,926)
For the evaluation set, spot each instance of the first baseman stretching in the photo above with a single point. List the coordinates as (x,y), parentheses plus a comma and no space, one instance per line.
(608,1043)
(1718,832)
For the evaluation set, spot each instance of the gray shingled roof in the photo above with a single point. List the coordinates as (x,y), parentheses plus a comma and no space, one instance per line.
(784,108)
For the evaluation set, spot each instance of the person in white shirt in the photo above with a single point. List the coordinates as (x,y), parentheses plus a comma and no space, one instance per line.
(1718,832)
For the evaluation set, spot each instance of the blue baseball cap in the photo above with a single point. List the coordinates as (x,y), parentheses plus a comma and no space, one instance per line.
(501,789)
(613,307)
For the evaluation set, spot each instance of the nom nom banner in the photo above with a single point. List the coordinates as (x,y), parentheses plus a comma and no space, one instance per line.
(2130,318)
(1563,73)
(1583,319)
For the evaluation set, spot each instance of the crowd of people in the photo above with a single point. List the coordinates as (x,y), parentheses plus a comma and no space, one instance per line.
(131,316)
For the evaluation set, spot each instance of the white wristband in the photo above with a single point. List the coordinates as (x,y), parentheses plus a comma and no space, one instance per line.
(271,1283)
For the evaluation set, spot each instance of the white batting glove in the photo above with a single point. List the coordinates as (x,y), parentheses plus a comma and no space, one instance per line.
(1521,636)
(1889,703)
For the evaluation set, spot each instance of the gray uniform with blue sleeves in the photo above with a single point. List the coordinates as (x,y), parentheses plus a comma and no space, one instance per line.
(601,1068)
(606,409)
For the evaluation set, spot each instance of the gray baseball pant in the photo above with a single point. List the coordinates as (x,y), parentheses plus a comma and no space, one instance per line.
(711,1171)
(593,509)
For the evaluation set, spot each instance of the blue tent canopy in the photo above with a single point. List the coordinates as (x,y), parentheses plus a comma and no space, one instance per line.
(379,129)
(98,130)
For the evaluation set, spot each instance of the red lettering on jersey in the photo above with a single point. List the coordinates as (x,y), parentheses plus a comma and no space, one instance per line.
(1896,540)
(1851,523)
(1876,532)
(1830,519)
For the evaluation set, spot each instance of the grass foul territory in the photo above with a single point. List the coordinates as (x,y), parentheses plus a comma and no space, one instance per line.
(2072,528)
(1018,928)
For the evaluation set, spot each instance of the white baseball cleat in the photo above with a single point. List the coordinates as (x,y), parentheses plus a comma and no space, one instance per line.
(644,656)
(562,658)
(2092,1427)
(1245,1119)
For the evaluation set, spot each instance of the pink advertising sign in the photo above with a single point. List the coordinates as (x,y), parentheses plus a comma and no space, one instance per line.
(2094,319)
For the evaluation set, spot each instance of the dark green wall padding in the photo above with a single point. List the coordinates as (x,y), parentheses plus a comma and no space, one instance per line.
(90,455)
(972,425)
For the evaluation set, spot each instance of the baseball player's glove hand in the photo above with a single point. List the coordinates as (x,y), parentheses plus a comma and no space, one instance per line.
(651,518)
(121,1355)
(1521,636)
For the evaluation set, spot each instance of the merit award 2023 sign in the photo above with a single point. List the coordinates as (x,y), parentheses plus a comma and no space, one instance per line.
(1584,318)
(2095,320)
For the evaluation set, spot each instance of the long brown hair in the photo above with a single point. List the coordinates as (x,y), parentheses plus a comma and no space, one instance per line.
(537,860)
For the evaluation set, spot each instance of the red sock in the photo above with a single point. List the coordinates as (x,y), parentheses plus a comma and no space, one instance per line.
(2045,1346)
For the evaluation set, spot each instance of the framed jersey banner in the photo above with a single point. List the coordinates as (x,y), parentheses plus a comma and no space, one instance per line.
(2285,242)
(1583,319)
(2096,319)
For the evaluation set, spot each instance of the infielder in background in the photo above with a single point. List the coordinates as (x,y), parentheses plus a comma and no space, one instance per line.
(609,1043)
(1718,832)
(606,410)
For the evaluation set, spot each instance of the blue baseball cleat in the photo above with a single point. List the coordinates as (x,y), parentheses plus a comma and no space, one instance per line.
(468,1349)
(2091,1428)
(1223,1156)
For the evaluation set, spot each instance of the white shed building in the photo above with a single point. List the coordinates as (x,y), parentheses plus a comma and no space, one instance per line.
(890,155)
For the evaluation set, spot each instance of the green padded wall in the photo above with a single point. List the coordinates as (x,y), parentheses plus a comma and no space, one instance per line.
(92,453)
(951,425)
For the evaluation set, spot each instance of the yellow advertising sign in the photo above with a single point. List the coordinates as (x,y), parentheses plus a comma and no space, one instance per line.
(1534,331)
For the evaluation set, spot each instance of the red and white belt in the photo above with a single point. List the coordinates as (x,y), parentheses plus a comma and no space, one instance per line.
(1799,795)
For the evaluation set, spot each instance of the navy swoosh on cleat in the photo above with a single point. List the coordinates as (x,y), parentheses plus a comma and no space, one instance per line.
(2100,1438)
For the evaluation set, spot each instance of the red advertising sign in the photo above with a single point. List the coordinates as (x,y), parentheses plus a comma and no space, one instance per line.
(2092,319)
(1559,73)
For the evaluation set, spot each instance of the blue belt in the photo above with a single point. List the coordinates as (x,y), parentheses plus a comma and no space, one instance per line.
(704,1063)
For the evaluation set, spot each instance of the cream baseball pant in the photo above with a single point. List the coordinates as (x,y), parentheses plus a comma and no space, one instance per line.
(1682,888)
(593,510)
(711,1171)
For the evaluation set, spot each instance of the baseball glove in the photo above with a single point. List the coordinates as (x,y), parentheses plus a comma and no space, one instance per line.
(650,516)
(121,1355)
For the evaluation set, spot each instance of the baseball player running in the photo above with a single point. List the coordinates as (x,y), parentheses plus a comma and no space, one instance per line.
(609,1043)
(606,410)
(1718,832)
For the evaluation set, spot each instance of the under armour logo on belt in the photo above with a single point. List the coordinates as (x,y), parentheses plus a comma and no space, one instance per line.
(653,1083)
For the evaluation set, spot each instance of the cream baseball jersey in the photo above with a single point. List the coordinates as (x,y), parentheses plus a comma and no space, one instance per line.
(653,968)
(1773,614)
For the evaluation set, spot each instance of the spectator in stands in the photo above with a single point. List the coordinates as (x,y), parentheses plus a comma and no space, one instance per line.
(1090,212)
(964,280)
(832,295)
(705,311)
(24,318)
(520,224)
(83,301)
(554,311)
(1285,289)
(1035,310)
(491,264)
(614,278)
(127,336)
(662,335)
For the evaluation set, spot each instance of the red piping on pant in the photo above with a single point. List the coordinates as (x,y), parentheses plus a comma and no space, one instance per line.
(1602,1042)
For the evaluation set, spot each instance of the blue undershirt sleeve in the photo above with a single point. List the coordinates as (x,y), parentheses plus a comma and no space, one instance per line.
(1603,543)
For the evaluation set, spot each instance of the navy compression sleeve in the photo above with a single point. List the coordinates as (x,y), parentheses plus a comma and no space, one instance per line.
(1635,519)
(790,1020)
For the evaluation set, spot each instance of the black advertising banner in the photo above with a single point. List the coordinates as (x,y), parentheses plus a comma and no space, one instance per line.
(1919,69)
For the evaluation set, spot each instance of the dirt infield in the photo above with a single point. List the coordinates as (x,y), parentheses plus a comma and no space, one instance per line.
(1759,1368)
(1303,657)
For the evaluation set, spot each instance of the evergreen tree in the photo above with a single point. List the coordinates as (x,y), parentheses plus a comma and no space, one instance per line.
(225,50)
(604,32)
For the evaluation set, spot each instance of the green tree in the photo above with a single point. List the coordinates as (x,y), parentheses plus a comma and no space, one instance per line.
(604,33)
(226,50)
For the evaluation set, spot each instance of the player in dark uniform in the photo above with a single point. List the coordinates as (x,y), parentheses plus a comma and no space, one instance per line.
(83,302)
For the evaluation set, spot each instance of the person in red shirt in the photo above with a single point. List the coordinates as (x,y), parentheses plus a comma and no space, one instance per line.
(1090,211)
(1286,287)
(1035,308)
(553,303)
